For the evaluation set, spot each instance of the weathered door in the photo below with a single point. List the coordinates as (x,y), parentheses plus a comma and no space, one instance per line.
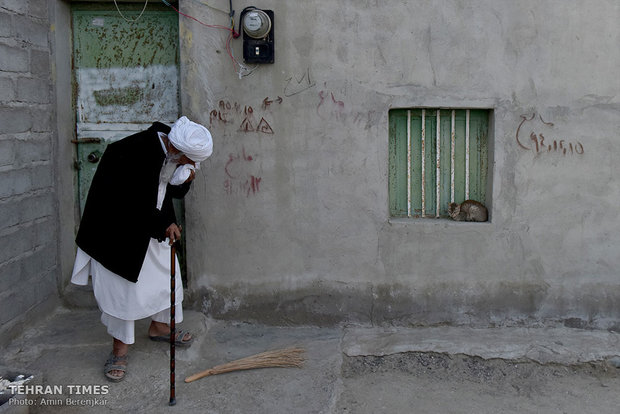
(125,76)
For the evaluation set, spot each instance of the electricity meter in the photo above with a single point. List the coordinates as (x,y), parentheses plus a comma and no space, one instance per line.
(257,35)
(256,24)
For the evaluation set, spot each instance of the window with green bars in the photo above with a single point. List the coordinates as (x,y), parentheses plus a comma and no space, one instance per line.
(437,156)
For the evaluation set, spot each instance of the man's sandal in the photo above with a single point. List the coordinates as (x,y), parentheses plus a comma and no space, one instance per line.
(178,339)
(112,364)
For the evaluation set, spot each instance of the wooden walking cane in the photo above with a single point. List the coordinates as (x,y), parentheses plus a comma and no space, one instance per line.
(173,400)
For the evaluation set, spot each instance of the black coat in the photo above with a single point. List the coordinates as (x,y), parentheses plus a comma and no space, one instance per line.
(120,216)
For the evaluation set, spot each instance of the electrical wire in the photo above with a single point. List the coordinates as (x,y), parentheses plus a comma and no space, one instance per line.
(213,26)
(132,20)
(213,7)
(243,69)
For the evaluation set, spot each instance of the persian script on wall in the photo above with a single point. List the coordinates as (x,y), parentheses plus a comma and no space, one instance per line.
(539,136)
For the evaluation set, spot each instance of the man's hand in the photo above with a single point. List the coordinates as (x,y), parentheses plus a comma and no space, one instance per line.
(185,160)
(192,175)
(173,232)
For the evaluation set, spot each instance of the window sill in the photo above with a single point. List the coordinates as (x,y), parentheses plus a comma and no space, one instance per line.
(431,221)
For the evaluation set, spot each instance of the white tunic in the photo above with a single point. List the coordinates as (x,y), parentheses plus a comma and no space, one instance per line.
(123,299)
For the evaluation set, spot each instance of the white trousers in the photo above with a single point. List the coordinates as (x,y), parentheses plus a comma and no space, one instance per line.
(124,330)
(122,302)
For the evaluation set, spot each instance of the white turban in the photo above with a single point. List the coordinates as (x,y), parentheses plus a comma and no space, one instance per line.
(191,139)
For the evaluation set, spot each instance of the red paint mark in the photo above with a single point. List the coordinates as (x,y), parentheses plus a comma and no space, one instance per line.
(228,112)
(322,99)
(538,145)
(232,158)
(246,125)
(251,186)
(330,108)
(264,127)
(339,104)
(267,101)
(524,119)
(228,186)
(220,114)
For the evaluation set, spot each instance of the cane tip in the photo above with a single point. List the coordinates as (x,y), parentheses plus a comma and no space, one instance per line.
(173,401)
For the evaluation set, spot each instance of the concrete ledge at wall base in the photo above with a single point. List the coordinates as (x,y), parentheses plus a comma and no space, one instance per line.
(327,303)
(566,346)
(14,328)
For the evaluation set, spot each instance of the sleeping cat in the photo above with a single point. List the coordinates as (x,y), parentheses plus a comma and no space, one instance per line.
(468,210)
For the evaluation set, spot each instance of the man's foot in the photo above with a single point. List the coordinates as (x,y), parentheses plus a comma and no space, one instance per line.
(161,332)
(115,367)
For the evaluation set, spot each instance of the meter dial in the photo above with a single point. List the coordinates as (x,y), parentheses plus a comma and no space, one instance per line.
(256,24)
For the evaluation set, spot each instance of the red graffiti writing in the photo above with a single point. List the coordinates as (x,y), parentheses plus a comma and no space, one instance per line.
(330,108)
(222,114)
(228,113)
(538,143)
(250,186)
(267,101)
(264,127)
(232,158)
(240,181)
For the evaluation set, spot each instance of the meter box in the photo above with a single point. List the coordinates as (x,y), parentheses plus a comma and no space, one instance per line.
(257,35)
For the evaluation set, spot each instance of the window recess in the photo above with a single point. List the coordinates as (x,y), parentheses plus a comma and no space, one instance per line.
(437,156)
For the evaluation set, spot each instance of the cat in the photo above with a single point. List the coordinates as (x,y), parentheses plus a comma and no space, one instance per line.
(468,210)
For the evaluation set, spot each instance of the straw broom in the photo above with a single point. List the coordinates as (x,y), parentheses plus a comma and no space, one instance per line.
(288,357)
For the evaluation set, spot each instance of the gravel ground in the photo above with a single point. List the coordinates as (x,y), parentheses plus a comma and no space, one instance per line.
(416,382)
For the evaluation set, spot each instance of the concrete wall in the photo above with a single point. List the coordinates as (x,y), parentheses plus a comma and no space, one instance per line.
(28,203)
(288,222)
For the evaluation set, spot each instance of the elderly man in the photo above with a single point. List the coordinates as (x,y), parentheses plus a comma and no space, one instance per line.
(128,226)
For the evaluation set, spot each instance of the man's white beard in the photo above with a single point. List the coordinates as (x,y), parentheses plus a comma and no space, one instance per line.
(165,174)
(167,170)
(170,164)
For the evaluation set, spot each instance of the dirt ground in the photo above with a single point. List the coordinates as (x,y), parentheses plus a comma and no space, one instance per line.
(415,382)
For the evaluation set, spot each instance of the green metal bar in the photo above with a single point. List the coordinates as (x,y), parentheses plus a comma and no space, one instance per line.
(398,162)
(445,162)
(459,158)
(429,157)
(416,164)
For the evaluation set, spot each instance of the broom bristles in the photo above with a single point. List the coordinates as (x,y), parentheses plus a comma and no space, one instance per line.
(284,358)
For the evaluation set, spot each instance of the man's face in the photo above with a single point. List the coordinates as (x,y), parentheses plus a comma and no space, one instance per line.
(178,157)
(184,160)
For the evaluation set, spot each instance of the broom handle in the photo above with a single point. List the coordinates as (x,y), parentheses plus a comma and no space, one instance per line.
(289,357)
(203,374)
(214,371)
(221,369)
(172,323)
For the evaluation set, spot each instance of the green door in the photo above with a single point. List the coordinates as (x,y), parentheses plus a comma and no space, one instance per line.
(126,76)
